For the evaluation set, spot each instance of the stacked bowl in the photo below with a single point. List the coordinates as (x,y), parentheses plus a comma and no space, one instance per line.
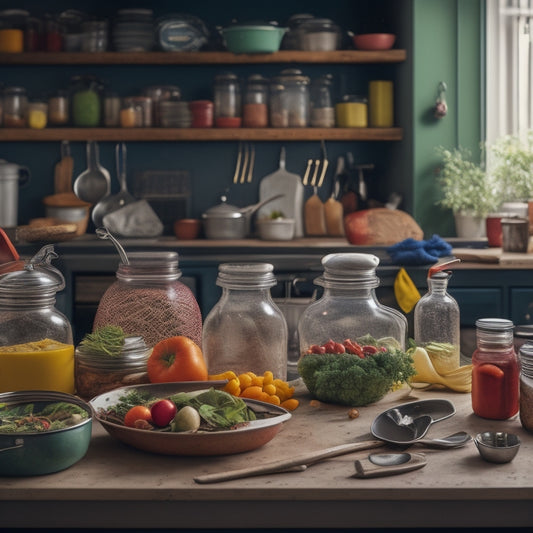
(133,30)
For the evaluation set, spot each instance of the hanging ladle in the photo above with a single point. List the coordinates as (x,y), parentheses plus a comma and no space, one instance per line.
(104,233)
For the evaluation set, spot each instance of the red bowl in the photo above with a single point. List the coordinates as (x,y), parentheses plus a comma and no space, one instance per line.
(187,228)
(374,41)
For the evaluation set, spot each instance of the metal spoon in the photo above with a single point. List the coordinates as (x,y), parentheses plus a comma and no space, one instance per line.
(94,183)
(455,440)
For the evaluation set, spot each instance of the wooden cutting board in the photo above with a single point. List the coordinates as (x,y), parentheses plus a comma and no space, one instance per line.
(495,256)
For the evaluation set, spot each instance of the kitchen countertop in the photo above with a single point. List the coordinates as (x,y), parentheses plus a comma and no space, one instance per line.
(118,486)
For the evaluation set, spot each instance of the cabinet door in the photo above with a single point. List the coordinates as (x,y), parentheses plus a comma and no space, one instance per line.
(477,303)
(521,305)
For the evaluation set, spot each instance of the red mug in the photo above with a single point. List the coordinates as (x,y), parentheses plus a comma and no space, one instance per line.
(494,230)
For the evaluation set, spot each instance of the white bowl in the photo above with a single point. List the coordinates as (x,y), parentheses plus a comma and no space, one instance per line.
(276,229)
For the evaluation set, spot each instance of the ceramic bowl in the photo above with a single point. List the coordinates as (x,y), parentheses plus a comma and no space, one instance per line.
(187,228)
(374,41)
(276,229)
(497,446)
(253,38)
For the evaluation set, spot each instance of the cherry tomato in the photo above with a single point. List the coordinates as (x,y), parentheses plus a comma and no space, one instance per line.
(176,359)
(163,411)
(139,412)
(329,346)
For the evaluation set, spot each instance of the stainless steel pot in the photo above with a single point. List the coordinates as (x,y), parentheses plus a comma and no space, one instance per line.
(225,221)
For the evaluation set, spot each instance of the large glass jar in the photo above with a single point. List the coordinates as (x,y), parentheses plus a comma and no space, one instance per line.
(245,330)
(227,101)
(36,346)
(255,106)
(348,307)
(86,101)
(495,374)
(436,320)
(322,109)
(149,300)
(290,100)
(96,374)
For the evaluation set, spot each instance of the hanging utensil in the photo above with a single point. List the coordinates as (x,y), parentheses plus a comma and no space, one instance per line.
(315,218)
(325,163)
(94,183)
(333,209)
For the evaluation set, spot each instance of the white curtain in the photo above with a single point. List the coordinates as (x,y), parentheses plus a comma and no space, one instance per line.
(509,82)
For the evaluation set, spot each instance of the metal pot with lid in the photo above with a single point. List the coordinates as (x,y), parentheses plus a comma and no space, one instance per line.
(226,221)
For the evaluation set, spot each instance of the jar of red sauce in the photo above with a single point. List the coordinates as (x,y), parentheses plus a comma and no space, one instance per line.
(496,371)
(202,113)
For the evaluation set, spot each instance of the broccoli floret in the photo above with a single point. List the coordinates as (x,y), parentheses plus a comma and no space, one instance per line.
(349,380)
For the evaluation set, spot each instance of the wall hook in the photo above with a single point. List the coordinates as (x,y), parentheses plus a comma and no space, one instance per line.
(440,109)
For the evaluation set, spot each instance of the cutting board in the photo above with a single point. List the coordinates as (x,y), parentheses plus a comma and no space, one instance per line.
(495,255)
(290,185)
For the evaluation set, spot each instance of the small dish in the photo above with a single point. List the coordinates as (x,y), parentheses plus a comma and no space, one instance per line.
(497,446)
(410,421)
(242,439)
(374,41)
(276,229)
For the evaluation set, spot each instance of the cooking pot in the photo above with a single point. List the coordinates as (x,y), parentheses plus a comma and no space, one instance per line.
(32,454)
(225,221)
(12,176)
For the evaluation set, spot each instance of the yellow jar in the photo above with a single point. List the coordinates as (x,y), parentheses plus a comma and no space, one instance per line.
(11,40)
(352,112)
(37,115)
(381,103)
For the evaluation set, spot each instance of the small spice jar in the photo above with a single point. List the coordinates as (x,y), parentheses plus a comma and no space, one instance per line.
(227,101)
(96,374)
(111,110)
(15,107)
(255,105)
(526,385)
(131,113)
(37,114)
(202,113)
(58,105)
(495,372)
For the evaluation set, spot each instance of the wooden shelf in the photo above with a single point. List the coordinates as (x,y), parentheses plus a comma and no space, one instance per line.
(199,58)
(194,134)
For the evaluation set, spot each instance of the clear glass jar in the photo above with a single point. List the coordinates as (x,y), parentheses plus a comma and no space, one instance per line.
(322,109)
(15,107)
(112,105)
(58,105)
(36,345)
(227,101)
(94,36)
(37,114)
(131,113)
(149,300)
(96,374)
(86,101)
(255,105)
(348,307)
(495,372)
(245,330)
(158,94)
(526,386)
(290,100)
(437,320)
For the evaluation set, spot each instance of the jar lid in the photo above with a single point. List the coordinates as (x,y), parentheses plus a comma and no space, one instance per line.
(319,24)
(158,267)
(223,210)
(246,275)
(35,276)
(135,353)
(293,75)
(494,324)
(344,269)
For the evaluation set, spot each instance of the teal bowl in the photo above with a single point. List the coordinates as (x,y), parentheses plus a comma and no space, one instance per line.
(253,39)
(38,453)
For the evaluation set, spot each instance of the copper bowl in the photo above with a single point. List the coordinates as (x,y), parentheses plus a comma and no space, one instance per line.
(187,228)
(374,41)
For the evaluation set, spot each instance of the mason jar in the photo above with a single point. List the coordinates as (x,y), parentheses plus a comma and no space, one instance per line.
(255,105)
(86,101)
(227,101)
(290,100)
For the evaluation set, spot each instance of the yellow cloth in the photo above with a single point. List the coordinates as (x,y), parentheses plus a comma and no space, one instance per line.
(406,293)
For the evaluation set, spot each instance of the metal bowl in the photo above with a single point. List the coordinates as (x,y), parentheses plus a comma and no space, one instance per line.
(496,446)
(31,454)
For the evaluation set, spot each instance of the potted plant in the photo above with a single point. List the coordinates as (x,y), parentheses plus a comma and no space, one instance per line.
(511,163)
(467,190)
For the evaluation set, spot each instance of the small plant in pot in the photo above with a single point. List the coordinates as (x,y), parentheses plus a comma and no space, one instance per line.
(467,190)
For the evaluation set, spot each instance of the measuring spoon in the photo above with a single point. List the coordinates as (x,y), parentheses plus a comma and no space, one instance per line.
(94,183)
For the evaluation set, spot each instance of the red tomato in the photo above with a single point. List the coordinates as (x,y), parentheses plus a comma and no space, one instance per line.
(139,412)
(176,359)
(163,411)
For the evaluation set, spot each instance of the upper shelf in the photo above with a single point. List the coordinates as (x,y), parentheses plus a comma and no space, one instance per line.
(197,134)
(198,58)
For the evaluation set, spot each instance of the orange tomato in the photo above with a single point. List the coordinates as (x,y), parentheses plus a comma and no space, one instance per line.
(139,412)
(176,359)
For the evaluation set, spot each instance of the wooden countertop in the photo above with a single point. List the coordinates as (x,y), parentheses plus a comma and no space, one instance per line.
(118,486)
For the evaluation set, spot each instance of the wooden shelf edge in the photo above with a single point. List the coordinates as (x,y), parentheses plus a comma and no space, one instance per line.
(195,58)
(194,134)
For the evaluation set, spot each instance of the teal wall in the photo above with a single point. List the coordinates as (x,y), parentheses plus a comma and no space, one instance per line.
(447,46)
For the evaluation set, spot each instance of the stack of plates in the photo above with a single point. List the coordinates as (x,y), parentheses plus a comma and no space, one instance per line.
(133,30)
(175,114)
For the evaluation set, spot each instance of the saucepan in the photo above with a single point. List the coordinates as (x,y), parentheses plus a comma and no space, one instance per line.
(225,221)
